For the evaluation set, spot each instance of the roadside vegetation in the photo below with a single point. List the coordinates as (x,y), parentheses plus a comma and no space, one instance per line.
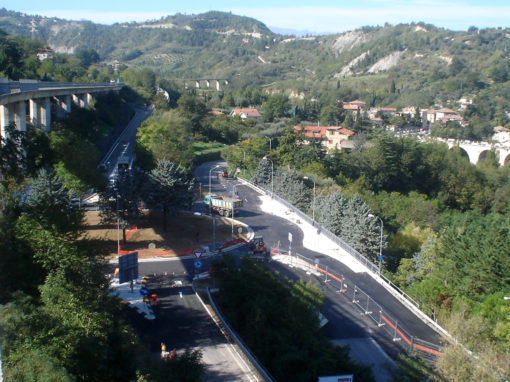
(278,320)
(446,221)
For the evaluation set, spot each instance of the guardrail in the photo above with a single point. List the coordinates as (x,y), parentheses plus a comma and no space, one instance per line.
(13,87)
(371,267)
(262,371)
(367,305)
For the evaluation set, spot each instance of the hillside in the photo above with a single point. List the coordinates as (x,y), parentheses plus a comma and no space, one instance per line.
(392,65)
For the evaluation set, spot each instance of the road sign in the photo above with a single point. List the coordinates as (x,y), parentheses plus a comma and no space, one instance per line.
(144,291)
(380,258)
(197,253)
(198,264)
(290,237)
(128,267)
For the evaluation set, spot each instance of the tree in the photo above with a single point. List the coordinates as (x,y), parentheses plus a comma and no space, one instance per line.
(13,154)
(349,220)
(330,212)
(262,174)
(167,135)
(330,114)
(10,57)
(48,203)
(275,107)
(121,200)
(287,147)
(290,186)
(169,188)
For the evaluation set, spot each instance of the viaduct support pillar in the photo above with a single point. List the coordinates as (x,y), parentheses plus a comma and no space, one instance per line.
(79,100)
(63,105)
(35,115)
(45,110)
(5,118)
(10,113)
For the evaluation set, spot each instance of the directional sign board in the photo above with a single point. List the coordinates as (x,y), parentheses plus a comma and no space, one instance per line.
(144,291)
(128,267)
(198,264)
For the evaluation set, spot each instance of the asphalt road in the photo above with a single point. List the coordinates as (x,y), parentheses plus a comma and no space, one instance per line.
(182,322)
(126,141)
(345,319)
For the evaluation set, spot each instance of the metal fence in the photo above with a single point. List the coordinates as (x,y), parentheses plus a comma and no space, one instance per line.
(367,305)
(255,362)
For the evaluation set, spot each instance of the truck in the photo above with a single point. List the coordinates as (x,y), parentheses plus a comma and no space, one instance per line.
(223,205)
(123,163)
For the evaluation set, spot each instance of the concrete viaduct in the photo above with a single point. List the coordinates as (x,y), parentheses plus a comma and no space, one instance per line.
(31,100)
(207,82)
(477,150)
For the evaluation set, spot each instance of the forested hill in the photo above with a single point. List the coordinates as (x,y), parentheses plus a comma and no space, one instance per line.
(407,64)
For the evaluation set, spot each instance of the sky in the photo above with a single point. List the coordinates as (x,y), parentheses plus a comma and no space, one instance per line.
(313,16)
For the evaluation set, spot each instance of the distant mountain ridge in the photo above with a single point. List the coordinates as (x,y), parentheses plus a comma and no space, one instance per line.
(405,64)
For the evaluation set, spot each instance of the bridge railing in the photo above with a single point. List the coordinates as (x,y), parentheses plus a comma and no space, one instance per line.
(9,87)
(371,267)
(246,351)
(366,305)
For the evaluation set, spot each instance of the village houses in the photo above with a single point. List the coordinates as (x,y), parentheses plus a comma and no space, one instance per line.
(332,137)
(246,113)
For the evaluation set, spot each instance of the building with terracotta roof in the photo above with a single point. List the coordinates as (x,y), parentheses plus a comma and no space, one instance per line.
(355,106)
(444,116)
(330,136)
(246,113)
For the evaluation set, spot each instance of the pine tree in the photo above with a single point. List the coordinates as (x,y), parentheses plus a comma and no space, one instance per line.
(262,174)
(121,200)
(290,186)
(169,187)
(364,233)
(330,212)
(48,203)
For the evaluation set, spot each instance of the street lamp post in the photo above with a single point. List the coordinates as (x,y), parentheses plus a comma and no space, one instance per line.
(210,171)
(118,227)
(380,246)
(313,205)
(270,139)
(272,178)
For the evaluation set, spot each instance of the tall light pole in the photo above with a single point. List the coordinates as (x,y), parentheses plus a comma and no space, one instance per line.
(313,205)
(210,171)
(272,179)
(270,139)
(118,227)
(244,155)
(380,246)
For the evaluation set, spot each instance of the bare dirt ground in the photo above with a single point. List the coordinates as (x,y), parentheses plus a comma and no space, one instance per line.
(149,239)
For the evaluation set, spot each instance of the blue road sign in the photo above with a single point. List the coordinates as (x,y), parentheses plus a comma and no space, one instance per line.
(144,291)
(380,258)
(198,264)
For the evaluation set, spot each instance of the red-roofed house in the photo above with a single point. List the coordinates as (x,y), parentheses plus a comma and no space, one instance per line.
(356,105)
(246,113)
(331,136)
(444,116)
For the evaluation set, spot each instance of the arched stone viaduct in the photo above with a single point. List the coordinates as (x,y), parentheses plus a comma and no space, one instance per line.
(477,150)
(199,82)
(31,100)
